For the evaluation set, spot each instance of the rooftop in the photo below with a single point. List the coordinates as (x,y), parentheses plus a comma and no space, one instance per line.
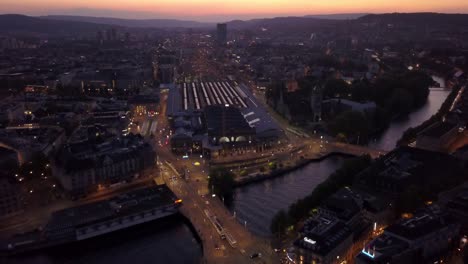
(356,106)
(421,224)
(406,165)
(120,205)
(196,96)
(438,129)
(345,203)
(36,138)
(321,234)
(95,152)
(399,237)
(225,121)
(382,249)
(459,202)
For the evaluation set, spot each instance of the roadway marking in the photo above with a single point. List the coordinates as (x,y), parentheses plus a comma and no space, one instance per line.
(252,102)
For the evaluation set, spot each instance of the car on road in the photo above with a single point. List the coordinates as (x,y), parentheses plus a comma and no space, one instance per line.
(255,255)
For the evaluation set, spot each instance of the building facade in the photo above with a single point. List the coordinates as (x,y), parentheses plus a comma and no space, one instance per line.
(221,34)
(85,167)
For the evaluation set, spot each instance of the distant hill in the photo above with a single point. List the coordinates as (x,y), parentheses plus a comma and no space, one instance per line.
(151,23)
(282,23)
(13,23)
(343,16)
(307,23)
(71,25)
(418,19)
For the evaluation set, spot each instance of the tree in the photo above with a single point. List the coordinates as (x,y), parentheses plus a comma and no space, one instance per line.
(383,89)
(401,102)
(336,88)
(361,91)
(380,118)
(350,123)
(328,61)
(307,85)
(417,83)
(409,200)
(411,133)
(279,223)
(60,89)
(273,165)
(341,137)
(344,176)
(222,183)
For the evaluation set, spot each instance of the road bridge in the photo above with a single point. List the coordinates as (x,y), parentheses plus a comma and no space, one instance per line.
(354,150)
(230,241)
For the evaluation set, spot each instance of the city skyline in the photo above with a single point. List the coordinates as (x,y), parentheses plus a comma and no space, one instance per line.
(203,131)
(209,10)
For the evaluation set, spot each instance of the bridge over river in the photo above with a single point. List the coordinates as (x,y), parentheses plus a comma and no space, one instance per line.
(293,154)
(224,238)
(354,150)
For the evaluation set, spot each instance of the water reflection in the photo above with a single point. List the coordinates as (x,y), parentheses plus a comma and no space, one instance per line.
(388,140)
(168,240)
(258,203)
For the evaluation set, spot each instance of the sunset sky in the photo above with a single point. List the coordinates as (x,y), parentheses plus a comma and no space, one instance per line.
(212,10)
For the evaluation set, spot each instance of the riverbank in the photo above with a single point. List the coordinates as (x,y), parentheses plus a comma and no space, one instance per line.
(388,139)
(300,209)
(257,203)
(243,181)
(411,133)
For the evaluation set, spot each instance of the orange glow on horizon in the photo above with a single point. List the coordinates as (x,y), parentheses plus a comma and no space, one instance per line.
(192,8)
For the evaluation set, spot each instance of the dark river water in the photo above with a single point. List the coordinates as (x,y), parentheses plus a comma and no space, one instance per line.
(164,241)
(258,203)
(170,240)
(388,140)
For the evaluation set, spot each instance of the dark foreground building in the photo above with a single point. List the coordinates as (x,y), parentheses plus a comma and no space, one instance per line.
(98,218)
(423,238)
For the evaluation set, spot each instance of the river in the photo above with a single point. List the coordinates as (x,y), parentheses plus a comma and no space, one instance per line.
(388,139)
(258,203)
(165,241)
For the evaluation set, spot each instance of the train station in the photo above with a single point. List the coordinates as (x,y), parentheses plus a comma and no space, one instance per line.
(217,117)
